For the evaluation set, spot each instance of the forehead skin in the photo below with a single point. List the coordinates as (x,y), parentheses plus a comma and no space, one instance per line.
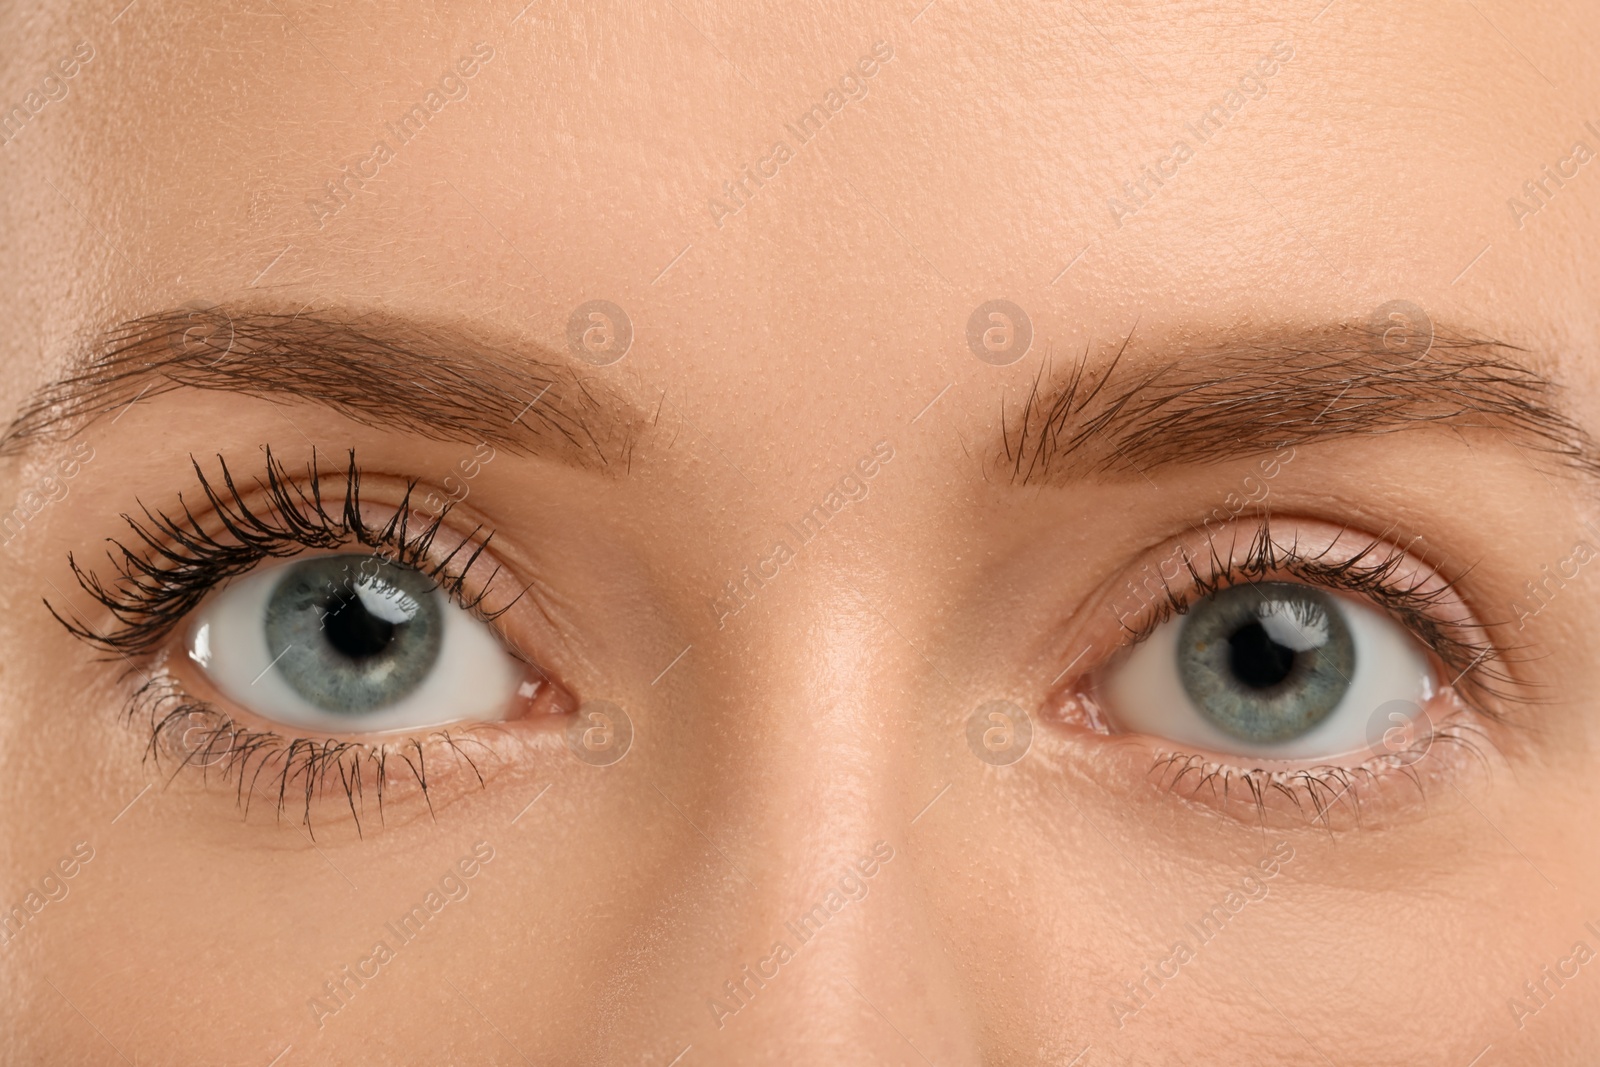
(783,339)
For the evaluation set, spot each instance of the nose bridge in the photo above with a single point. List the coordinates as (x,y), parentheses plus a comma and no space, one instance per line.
(829,950)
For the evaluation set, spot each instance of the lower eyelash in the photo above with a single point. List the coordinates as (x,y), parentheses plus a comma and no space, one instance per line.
(198,735)
(1314,791)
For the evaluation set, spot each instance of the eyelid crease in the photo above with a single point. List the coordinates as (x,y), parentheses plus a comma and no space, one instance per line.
(1456,731)
(175,561)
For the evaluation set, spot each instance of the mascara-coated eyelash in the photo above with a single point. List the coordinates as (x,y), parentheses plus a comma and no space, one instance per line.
(176,560)
(173,561)
(197,735)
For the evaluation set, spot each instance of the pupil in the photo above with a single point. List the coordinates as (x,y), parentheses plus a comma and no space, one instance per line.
(1256,659)
(355,632)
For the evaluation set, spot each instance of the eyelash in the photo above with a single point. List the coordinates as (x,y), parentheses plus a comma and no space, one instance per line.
(173,563)
(177,561)
(1370,572)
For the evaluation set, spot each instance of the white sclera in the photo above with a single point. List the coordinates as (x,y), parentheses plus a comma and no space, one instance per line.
(473,679)
(1145,694)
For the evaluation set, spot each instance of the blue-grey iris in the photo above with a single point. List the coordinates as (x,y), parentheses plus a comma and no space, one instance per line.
(353,633)
(1266,662)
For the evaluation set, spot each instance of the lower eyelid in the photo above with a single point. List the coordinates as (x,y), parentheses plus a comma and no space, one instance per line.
(1425,776)
(322,780)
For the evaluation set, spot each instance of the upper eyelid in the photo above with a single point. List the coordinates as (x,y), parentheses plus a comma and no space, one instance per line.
(1460,645)
(177,558)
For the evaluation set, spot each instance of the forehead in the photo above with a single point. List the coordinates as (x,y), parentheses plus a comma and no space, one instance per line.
(822,190)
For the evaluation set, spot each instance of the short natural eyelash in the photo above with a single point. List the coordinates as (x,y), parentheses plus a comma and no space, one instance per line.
(1369,572)
(1322,786)
(175,561)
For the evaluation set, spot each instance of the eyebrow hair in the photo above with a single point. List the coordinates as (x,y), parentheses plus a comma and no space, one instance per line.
(1273,390)
(436,382)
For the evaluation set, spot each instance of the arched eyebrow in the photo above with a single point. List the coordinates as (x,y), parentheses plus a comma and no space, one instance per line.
(1249,397)
(431,381)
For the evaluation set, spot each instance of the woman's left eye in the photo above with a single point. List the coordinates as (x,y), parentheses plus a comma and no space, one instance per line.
(351,644)
(1277,670)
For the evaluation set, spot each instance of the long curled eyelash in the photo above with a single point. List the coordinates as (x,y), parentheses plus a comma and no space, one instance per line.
(173,560)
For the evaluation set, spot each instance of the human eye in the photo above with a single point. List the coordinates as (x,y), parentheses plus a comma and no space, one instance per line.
(296,639)
(1292,664)
(351,643)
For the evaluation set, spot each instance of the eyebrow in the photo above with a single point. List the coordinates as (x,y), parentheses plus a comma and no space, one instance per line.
(1255,395)
(437,382)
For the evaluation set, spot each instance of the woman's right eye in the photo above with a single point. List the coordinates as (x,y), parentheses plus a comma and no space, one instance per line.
(349,644)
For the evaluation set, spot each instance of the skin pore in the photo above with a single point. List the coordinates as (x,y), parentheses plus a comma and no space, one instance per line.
(310,229)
